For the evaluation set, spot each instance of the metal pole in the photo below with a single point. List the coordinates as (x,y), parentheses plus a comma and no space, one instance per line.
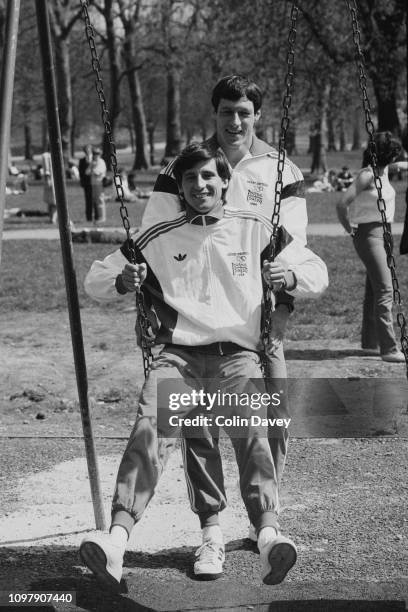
(6,98)
(67,254)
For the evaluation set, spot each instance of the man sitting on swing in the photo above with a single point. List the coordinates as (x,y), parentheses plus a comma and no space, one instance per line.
(202,271)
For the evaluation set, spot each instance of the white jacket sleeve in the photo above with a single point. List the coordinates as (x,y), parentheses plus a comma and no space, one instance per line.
(100,281)
(309,269)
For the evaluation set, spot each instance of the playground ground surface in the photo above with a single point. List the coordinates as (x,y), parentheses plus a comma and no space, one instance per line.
(343,498)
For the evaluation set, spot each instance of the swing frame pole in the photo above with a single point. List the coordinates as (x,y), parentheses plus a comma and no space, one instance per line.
(6,99)
(54,132)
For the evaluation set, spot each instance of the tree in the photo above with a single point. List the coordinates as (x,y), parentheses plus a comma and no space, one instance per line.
(28,95)
(63,15)
(383,41)
(111,41)
(175,29)
(129,14)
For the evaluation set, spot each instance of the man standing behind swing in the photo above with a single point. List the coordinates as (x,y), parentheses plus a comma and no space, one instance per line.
(253,164)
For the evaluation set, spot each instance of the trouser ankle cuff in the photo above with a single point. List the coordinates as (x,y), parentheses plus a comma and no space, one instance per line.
(124,519)
(267,519)
(208,519)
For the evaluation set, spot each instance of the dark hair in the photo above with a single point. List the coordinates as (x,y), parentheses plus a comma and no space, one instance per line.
(387,150)
(197,152)
(234,87)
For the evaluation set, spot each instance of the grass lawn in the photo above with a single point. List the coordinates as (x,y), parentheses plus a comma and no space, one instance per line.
(32,279)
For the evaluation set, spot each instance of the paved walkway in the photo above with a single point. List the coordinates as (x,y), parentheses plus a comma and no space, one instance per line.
(52,233)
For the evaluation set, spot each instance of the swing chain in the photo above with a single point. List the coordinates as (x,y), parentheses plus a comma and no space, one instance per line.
(285,121)
(360,63)
(117,180)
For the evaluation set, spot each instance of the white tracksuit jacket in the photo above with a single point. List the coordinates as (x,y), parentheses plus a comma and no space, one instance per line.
(204,275)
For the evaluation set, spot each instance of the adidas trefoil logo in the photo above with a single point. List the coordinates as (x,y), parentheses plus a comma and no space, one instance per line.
(180,257)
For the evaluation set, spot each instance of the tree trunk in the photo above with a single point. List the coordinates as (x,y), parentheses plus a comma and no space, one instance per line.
(150,131)
(342,144)
(139,121)
(385,25)
(315,140)
(131,137)
(331,138)
(114,72)
(44,134)
(356,145)
(173,142)
(203,130)
(318,133)
(73,135)
(291,140)
(63,74)
(136,99)
(387,110)
(28,140)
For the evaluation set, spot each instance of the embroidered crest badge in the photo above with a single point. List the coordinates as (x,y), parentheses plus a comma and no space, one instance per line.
(255,193)
(239,263)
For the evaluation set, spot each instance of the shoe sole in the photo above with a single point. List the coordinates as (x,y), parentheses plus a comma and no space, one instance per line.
(95,559)
(208,576)
(282,557)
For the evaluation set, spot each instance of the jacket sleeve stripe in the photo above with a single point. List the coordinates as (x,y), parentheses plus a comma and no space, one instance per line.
(296,190)
(166,184)
(161,228)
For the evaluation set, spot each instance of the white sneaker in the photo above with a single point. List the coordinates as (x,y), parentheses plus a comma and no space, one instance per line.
(104,558)
(277,557)
(210,557)
(394,357)
(252,533)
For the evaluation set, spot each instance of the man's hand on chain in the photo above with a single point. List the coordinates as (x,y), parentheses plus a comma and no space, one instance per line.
(274,274)
(133,276)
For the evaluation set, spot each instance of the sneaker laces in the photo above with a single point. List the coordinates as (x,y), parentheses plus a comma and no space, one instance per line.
(208,549)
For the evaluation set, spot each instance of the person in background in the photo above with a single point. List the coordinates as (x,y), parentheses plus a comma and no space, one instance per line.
(98,174)
(359,215)
(344,179)
(72,171)
(49,190)
(18,179)
(84,168)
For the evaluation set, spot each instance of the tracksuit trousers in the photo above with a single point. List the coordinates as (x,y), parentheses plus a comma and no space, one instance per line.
(154,436)
(202,455)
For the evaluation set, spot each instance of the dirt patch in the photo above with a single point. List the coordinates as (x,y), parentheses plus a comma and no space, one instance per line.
(343,500)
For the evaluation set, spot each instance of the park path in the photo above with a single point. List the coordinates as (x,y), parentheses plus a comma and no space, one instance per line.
(52,233)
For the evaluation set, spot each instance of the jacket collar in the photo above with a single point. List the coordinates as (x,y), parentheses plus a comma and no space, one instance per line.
(196,219)
(258,146)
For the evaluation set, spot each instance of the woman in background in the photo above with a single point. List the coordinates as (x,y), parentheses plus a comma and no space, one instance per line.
(358,213)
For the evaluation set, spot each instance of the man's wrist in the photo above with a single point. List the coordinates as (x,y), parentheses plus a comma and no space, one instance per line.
(290,281)
(120,286)
(289,307)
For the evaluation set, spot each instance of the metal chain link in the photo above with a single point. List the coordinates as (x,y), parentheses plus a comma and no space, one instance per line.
(360,63)
(117,180)
(285,121)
